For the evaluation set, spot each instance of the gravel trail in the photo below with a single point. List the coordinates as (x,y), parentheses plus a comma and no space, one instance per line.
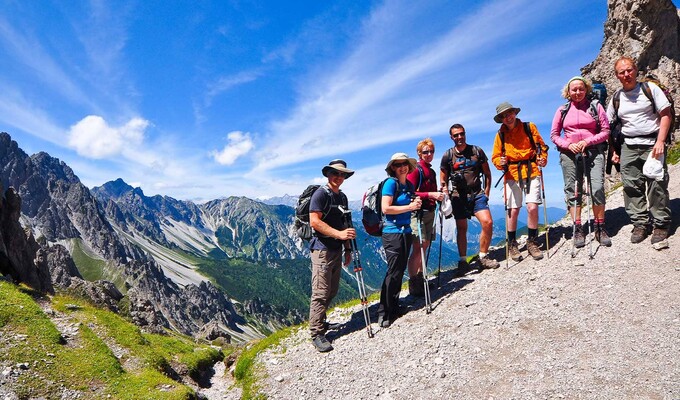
(539,329)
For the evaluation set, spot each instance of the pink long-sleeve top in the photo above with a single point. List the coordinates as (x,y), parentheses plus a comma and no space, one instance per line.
(579,125)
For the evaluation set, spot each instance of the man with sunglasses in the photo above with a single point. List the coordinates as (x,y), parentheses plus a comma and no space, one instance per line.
(461,171)
(331,236)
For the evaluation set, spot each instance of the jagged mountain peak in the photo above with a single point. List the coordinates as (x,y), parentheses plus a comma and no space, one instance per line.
(113,189)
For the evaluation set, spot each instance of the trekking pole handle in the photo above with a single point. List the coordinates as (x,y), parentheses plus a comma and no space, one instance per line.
(505,171)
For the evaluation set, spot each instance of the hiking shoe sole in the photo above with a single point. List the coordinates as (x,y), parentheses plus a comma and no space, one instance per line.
(660,245)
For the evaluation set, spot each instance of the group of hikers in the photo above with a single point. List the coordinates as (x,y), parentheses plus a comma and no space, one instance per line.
(580,130)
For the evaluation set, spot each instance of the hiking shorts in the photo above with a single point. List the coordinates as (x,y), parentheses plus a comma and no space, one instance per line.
(427,227)
(462,208)
(515,193)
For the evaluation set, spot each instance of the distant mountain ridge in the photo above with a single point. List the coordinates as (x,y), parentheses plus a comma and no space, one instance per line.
(160,251)
(59,209)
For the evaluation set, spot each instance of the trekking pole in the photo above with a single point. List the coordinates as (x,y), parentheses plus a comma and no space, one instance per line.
(441,233)
(586,176)
(545,206)
(428,300)
(358,272)
(575,198)
(507,220)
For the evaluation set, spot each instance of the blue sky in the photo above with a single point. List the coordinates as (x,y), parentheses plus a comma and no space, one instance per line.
(205,99)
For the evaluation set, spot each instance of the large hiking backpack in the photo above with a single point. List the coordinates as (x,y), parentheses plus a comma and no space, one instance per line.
(302,227)
(371,209)
(599,93)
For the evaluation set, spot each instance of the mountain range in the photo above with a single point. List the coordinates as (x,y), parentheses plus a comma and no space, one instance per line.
(234,262)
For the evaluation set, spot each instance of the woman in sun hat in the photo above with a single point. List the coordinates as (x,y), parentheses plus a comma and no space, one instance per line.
(398,200)
(586,130)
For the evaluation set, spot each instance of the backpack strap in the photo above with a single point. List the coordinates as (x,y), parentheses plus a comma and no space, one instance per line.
(648,93)
(564,110)
(329,202)
(527,130)
(421,175)
(592,109)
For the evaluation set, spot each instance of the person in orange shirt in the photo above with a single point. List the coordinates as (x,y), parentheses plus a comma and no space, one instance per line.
(519,151)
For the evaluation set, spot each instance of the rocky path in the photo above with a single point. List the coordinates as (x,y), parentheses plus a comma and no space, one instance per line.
(539,329)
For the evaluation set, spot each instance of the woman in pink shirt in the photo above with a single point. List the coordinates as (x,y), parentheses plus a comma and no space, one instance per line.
(586,130)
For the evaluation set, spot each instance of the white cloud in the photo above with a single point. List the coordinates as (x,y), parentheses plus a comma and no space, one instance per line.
(373,98)
(93,137)
(239,144)
(225,83)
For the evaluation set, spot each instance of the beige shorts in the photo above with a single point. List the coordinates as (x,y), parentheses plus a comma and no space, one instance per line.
(515,193)
(427,227)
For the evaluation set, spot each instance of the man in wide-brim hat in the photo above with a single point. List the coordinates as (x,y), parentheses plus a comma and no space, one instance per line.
(331,236)
(519,151)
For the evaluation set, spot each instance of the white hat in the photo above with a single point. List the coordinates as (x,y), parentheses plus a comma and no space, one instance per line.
(400,157)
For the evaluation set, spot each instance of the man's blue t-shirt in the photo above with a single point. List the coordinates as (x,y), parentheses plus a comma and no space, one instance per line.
(401,196)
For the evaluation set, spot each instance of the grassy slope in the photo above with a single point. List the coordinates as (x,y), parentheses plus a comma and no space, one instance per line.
(93,268)
(86,361)
(283,284)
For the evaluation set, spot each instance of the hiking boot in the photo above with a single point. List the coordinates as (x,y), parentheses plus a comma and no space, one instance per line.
(602,236)
(534,249)
(659,236)
(416,285)
(463,268)
(321,343)
(488,263)
(383,322)
(639,234)
(513,249)
(331,326)
(579,237)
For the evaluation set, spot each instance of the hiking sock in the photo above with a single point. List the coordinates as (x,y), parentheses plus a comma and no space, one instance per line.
(533,233)
(482,255)
(512,236)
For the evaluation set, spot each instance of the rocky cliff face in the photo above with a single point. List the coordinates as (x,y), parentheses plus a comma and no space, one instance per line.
(646,30)
(20,257)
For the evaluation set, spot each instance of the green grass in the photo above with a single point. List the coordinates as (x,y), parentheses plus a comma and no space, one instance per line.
(92,268)
(86,362)
(673,154)
(247,372)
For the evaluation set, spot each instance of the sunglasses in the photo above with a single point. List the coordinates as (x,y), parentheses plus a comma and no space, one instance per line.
(460,134)
(338,173)
(400,164)
(427,152)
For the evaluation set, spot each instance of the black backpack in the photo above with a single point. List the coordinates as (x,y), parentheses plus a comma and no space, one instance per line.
(302,227)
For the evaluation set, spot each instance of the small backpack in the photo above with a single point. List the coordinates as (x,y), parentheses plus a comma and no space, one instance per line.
(302,227)
(371,209)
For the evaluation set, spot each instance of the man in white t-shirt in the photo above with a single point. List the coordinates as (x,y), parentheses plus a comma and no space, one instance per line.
(644,126)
